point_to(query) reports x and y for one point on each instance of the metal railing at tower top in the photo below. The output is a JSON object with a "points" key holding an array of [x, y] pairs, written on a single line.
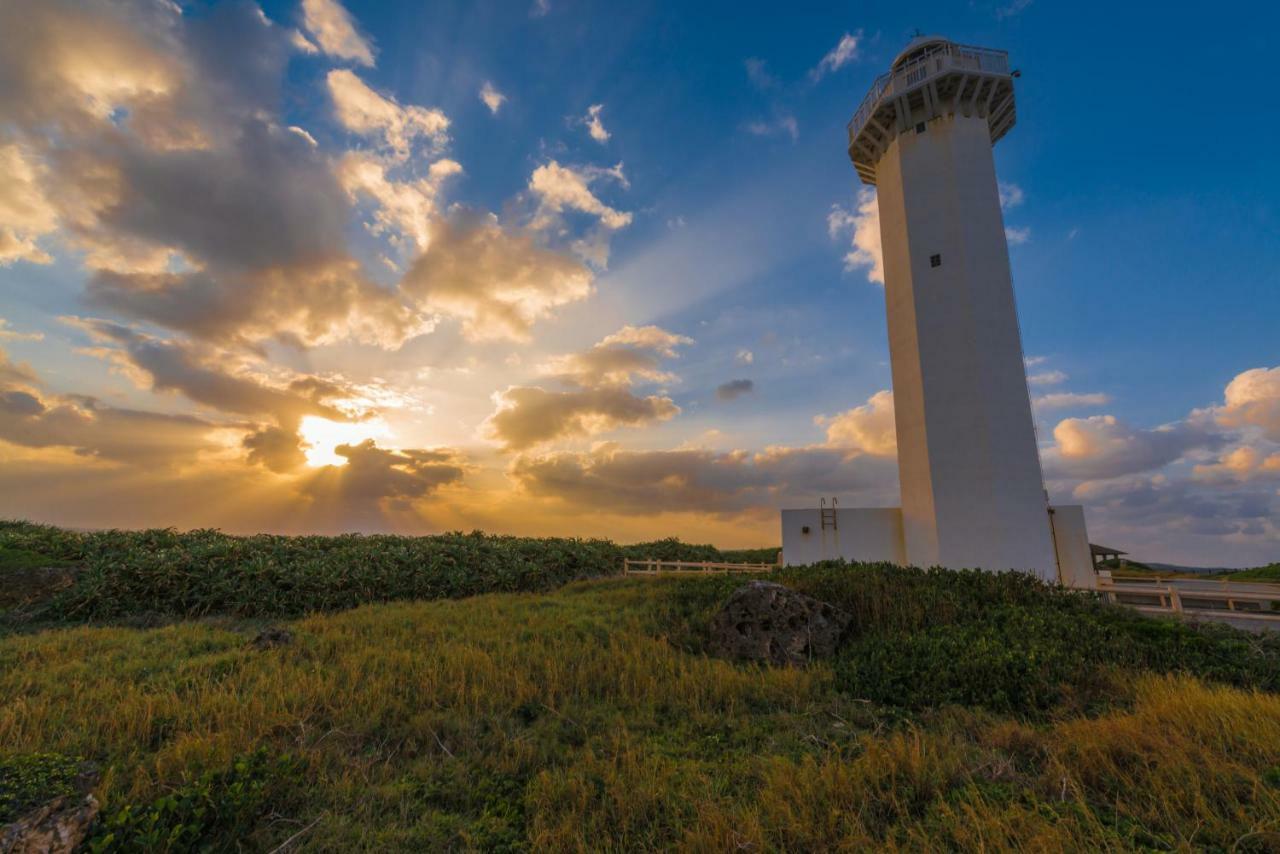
{"points": [[935, 59]]}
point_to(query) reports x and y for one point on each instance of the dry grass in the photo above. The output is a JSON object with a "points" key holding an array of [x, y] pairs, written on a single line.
{"points": [[566, 721]]}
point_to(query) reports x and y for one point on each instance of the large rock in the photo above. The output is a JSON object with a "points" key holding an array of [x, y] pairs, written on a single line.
{"points": [[58, 827], [764, 621]]}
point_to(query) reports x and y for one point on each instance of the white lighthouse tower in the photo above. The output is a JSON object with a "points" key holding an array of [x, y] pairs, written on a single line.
{"points": [[969, 467]]}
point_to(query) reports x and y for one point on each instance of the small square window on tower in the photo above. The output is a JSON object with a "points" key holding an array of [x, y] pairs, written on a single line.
{"points": [[935, 260], [920, 128]]}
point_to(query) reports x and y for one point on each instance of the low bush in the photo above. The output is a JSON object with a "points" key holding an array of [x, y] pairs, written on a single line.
{"points": [[217, 811], [30, 780], [1006, 642], [127, 574]]}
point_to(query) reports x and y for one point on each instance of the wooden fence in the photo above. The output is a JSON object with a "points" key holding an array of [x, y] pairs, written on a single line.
{"points": [[685, 567]]}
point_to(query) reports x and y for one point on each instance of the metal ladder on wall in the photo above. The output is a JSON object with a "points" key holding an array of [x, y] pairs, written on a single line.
{"points": [[827, 515]]}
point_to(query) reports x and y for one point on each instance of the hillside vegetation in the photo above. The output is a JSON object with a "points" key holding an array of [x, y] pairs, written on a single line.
{"points": [[964, 711]]}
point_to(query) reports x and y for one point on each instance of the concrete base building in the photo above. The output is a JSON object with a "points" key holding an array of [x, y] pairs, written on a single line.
{"points": [[969, 467]]}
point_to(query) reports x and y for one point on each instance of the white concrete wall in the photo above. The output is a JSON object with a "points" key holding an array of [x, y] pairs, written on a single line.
{"points": [[866, 534], [1071, 541], [972, 491]]}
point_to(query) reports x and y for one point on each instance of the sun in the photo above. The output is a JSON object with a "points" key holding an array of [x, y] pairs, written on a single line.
{"points": [[321, 436]]}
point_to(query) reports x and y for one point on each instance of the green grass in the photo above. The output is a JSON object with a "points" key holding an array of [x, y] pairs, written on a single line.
{"points": [[965, 711], [1271, 572]]}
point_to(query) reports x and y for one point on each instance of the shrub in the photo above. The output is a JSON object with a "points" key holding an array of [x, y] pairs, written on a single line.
{"points": [[30, 780], [214, 812]]}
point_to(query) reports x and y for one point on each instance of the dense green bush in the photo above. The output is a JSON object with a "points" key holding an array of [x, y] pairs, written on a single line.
{"points": [[130, 573], [214, 812], [1007, 642]]}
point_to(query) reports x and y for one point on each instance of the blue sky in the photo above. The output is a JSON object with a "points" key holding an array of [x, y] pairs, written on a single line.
{"points": [[282, 257]]}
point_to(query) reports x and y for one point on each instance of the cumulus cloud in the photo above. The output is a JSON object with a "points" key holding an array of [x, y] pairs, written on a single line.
{"points": [[594, 125], [869, 428], [374, 474], [559, 188], [33, 418], [403, 209], [164, 165], [621, 358], [863, 226], [276, 448], [1102, 446], [335, 32], [1067, 399], [734, 389], [1045, 377], [493, 99], [531, 415], [611, 479], [1252, 400], [194, 372], [745, 356], [498, 282], [1240, 464], [363, 111], [598, 397], [845, 51], [25, 214]]}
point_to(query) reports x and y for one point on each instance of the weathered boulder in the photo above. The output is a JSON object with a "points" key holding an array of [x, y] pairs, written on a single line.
{"points": [[272, 637], [763, 621], [58, 827]]}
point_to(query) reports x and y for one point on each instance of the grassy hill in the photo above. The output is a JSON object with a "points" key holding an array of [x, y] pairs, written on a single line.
{"points": [[965, 710]]}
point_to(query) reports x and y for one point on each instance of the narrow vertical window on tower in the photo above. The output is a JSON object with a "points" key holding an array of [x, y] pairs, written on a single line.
{"points": [[935, 260]]}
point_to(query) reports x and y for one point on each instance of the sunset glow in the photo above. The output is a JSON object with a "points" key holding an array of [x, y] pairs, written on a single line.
{"points": [[322, 436]]}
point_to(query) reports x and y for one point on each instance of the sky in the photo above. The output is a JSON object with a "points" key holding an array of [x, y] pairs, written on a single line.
{"points": [[562, 267]]}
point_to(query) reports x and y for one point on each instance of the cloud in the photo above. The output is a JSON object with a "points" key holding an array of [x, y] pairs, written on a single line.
{"points": [[845, 51], [33, 418], [595, 127], [611, 479], [744, 356], [531, 415], [498, 282], [1101, 446], [1240, 464], [869, 429], [558, 188], [1252, 400], [734, 389], [167, 365], [276, 448], [493, 99], [620, 359], [539, 8], [1045, 377], [334, 30], [1017, 236], [374, 474], [784, 123], [863, 224], [1066, 399], [25, 213], [7, 334], [363, 111], [598, 397], [403, 209], [1011, 195]]}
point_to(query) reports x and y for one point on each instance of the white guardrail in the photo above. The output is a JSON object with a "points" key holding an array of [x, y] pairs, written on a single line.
{"points": [[668, 567], [1253, 601]]}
